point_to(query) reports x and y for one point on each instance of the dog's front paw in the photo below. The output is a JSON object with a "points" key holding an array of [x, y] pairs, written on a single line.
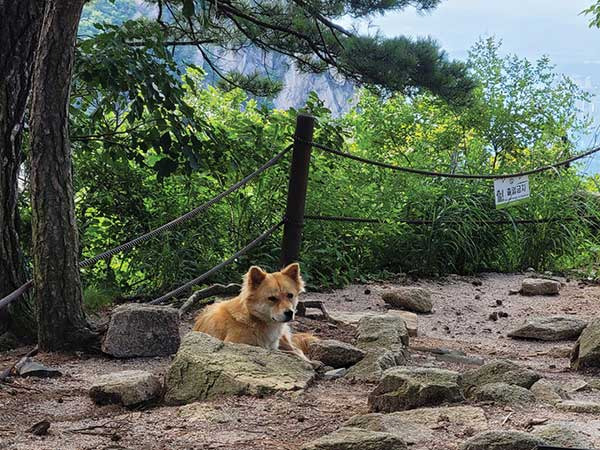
{"points": [[317, 365]]}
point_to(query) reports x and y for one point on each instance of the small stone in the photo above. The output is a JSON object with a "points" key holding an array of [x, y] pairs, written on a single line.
{"points": [[547, 392], [404, 388], [367, 291], [335, 353], [357, 439], [586, 353], [554, 328], [502, 440], [493, 316], [500, 371], [539, 286], [499, 302], [514, 292], [27, 367], [503, 393], [142, 330], [576, 406], [477, 283], [477, 297], [335, 373], [502, 314], [128, 388], [413, 299], [40, 428]]}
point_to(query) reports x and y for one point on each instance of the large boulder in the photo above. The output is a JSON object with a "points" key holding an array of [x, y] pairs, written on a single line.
{"points": [[205, 367], [357, 439], [142, 330], [539, 286], [403, 388], [502, 440], [503, 393], [419, 426], [335, 354], [548, 392], [413, 299], [586, 353], [128, 388], [556, 328], [562, 434], [500, 371]]}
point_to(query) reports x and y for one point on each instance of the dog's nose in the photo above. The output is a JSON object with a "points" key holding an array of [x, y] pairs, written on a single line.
{"points": [[289, 315]]}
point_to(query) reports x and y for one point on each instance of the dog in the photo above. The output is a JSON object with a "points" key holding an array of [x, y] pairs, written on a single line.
{"points": [[260, 315]]}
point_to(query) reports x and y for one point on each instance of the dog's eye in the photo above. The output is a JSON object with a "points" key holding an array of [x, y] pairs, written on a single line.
{"points": [[290, 295], [273, 299]]}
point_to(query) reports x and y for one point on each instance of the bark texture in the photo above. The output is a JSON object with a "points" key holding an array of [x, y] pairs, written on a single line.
{"points": [[62, 324], [20, 23]]}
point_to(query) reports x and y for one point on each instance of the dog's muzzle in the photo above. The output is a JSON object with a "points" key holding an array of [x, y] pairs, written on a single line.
{"points": [[288, 315]]}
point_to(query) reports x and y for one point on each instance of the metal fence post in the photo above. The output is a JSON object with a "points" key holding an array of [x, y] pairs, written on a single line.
{"points": [[296, 200]]}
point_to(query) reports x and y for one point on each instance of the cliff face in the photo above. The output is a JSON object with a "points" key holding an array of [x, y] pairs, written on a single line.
{"points": [[337, 93]]}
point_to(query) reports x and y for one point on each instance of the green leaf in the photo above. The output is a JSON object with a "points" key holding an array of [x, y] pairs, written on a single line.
{"points": [[189, 8]]}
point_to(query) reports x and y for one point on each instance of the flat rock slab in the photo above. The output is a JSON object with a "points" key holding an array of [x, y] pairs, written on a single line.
{"points": [[539, 286], [576, 406], [502, 440], [413, 299], [205, 367], [500, 371], [556, 328], [586, 353], [128, 388], [403, 388], [548, 392], [352, 318], [27, 367], [371, 367], [142, 330], [502, 393], [357, 439], [335, 354], [418, 426], [563, 434]]}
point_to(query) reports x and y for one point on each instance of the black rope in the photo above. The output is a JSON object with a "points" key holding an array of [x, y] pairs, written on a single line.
{"points": [[431, 222], [187, 216], [449, 175], [195, 281]]}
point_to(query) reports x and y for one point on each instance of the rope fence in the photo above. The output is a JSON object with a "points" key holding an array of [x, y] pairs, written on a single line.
{"points": [[295, 216], [467, 176]]}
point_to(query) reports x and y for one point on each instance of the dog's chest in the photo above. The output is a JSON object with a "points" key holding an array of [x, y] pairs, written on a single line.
{"points": [[270, 337]]}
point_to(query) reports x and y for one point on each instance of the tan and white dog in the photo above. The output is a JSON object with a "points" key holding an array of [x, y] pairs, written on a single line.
{"points": [[259, 316]]}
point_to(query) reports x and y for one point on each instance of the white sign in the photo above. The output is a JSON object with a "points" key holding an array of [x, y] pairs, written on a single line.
{"points": [[511, 190]]}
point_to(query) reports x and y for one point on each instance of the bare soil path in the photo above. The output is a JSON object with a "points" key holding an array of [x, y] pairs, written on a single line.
{"points": [[462, 306]]}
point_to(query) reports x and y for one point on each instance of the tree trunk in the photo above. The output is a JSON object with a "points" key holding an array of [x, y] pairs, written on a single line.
{"points": [[62, 324], [20, 23]]}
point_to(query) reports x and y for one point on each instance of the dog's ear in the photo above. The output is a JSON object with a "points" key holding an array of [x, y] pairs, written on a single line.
{"points": [[292, 271], [255, 276]]}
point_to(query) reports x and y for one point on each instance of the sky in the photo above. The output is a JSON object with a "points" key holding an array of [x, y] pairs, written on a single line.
{"points": [[529, 28]]}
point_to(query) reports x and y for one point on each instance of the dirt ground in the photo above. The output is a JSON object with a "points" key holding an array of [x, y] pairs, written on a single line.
{"points": [[462, 306]]}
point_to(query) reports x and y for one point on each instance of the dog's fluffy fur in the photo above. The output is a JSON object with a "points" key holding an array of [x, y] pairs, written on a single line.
{"points": [[259, 315]]}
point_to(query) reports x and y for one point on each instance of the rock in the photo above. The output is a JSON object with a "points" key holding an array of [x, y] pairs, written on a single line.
{"points": [[586, 353], [352, 318], [27, 367], [357, 439], [500, 371], [335, 373], [40, 428], [205, 367], [458, 357], [335, 353], [502, 440], [562, 434], [413, 299], [418, 426], [547, 392], [539, 286], [575, 385], [556, 328], [381, 331], [371, 367], [509, 394], [579, 406], [142, 330], [128, 388], [404, 388]]}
